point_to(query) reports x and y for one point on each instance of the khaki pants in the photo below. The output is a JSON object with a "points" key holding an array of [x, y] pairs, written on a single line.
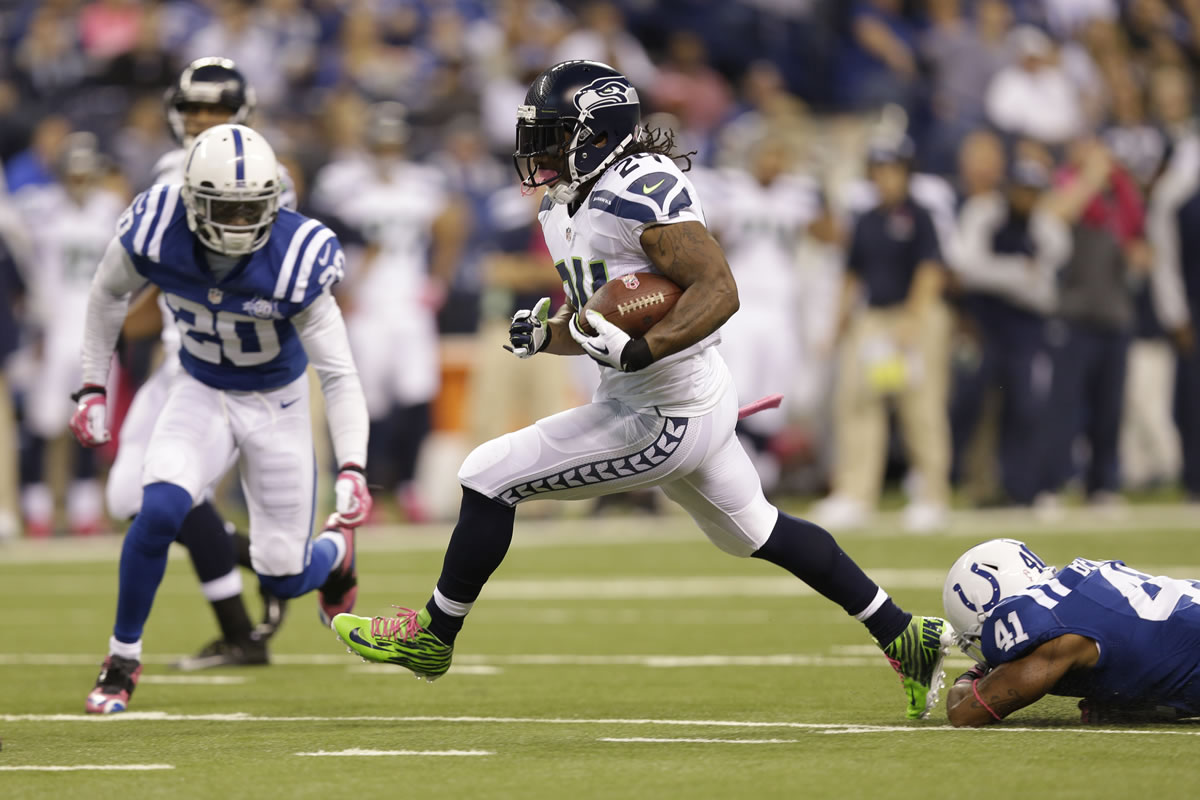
{"points": [[873, 369]]}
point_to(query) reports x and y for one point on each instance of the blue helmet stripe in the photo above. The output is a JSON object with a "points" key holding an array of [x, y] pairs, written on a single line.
{"points": [[239, 155]]}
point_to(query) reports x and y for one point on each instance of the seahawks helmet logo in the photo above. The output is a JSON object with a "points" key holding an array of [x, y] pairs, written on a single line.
{"points": [[603, 93]]}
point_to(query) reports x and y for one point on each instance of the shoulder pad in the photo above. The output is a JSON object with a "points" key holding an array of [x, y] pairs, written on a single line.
{"points": [[643, 189], [142, 225], [310, 245]]}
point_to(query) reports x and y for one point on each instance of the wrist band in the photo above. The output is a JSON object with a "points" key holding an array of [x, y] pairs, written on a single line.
{"points": [[86, 390], [975, 689], [636, 355], [353, 468]]}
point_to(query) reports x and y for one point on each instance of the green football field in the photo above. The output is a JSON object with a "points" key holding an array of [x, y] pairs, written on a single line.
{"points": [[611, 658]]}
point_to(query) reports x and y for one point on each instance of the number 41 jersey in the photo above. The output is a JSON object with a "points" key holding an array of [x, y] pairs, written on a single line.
{"points": [[237, 331], [1148, 630]]}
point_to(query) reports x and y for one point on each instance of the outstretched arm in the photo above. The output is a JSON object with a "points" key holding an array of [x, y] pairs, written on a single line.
{"points": [[1012, 686]]}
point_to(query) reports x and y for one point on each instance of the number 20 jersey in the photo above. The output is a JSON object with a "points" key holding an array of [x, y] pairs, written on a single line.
{"points": [[602, 242], [1148, 630], [237, 334]]}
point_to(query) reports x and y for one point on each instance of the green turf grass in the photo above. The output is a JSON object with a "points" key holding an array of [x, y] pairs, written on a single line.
{"points": [[554, 659]]}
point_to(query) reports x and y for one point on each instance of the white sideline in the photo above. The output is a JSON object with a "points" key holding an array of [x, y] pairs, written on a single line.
{"points": [[646, 739], [199, 680], [477, 664], [816, 727], [359, 752], [79, 767]]}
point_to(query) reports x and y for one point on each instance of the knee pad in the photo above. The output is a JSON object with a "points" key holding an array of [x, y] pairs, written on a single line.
{"points": [[164, 506]]}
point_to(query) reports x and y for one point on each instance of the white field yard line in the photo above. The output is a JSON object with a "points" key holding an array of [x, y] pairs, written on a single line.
{"points": [[197, 680], [612, 588], [473, 664], [649, 740], [671, 527], [84, 767], [815, 727], [354, 751]]}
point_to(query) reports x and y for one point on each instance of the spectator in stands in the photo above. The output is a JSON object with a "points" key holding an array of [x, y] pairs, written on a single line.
{"points": [[689, 88], [878, 64], [1034, 97], [1172, 101], [894, 340], [235, 33], [963, 55], [601, 36]]}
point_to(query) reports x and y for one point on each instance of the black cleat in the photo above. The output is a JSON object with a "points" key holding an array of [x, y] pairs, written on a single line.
{"points": [[274, 610], [224, 653], [114, 686]]}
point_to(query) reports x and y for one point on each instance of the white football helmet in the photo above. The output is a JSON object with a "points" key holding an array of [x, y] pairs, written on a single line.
{"points": [[980, 579], [231, 189]]}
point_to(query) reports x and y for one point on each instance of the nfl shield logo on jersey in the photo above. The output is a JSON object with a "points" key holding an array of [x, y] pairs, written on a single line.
{"points": [[215, 296], [631, 282]]}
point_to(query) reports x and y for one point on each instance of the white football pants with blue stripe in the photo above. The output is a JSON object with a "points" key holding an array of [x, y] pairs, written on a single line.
{"points": [[201, 430], [606, 447]]}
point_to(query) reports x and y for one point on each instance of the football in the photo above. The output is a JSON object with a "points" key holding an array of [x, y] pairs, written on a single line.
{"points": [[634, 303]]}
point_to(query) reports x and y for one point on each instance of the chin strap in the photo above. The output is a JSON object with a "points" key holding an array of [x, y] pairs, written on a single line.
{"points": [[567, 193]]}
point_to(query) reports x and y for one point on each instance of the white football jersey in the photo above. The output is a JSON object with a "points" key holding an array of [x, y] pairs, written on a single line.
{"points": [[69, 239], [394, 213], [760, 228], [602, 241]]}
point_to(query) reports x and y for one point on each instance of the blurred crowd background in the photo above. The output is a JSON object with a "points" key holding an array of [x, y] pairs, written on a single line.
{"points": [[962, 229]]}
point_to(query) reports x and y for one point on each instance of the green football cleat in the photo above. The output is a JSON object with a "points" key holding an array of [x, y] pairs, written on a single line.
{"points": [[917, 655], [402, 639]]}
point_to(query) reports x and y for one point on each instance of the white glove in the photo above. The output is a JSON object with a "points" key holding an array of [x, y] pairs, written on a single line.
{"points": [[352, 498], [529, 331], [608, 343], [89, 423]]}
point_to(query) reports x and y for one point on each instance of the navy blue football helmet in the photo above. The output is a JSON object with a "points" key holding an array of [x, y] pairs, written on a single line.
{"points": [[578, 117], [212, 82]]}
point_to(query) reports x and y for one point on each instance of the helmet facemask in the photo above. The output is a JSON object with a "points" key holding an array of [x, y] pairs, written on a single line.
{"points": [[232, 223]]}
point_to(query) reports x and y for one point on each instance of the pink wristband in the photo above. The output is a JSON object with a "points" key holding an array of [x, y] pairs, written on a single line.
{"points": [[975, 689]]}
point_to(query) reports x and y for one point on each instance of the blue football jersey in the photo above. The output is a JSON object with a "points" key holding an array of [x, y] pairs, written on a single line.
{"points": [[1148, 629], [236, 332]]}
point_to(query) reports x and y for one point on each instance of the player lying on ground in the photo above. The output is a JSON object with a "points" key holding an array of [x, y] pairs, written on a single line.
{"points": [[664, 414], [249, 285], [1125, 642], [208, 92]]}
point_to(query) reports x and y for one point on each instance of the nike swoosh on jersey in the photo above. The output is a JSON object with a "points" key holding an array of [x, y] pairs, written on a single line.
{"points": [[648, 189], [354, 637], [289, 403]]}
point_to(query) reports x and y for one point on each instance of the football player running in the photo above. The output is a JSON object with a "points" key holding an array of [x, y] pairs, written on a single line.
{"points": [[210, 91], [1126, 642], [664, 413], [249, 285]]}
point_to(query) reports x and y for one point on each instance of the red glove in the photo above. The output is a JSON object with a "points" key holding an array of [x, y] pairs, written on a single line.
{"points": [[89, 423], [353, 499]]}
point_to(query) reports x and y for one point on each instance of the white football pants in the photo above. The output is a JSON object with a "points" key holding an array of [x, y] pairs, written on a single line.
{"points": [[607, 447], [201, 430]]}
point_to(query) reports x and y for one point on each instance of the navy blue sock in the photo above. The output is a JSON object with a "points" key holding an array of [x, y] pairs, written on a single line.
{"points": [[214, 556], [810, 553], [478, 545], [324, 554], [144, 555], [211, 548]]}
